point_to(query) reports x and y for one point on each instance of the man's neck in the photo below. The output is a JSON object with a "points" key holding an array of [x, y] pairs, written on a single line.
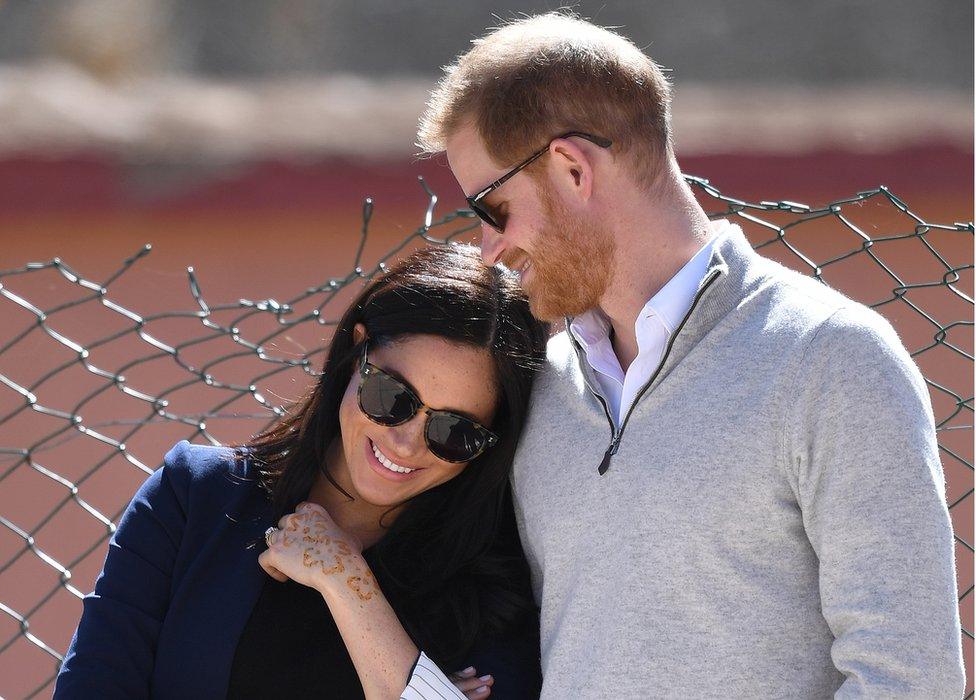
{"points": [[656, 238]]}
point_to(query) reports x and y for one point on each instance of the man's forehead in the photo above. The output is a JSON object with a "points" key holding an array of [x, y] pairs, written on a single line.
{"points": [[469, 161]]}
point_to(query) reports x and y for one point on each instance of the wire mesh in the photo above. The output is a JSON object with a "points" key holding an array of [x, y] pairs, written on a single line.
{"points": [[92, 393]]}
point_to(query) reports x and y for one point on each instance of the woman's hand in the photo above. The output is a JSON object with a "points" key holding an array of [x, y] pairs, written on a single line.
{"points": [[474, 688], [311, 549]]}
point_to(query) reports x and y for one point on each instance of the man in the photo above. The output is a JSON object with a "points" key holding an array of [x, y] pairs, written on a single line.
{"points": [[729, 484]]}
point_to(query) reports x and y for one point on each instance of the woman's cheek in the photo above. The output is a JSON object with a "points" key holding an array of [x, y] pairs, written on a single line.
{"points": [[449, 472], [349, 411]]}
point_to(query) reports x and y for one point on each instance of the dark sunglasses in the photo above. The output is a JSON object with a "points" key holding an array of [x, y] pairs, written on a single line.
{"points": [[493, 219], [388, 401]]}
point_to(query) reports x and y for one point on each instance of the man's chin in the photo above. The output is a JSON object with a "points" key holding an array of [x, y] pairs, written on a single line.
{"points": [[551, 310], [544, 313]]}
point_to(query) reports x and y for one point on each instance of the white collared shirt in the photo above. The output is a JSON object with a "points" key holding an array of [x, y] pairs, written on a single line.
{"points": [[428, 682], [654, 325]]}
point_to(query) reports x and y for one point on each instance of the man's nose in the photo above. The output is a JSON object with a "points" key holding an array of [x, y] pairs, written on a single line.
{"points": [[492, 245]]}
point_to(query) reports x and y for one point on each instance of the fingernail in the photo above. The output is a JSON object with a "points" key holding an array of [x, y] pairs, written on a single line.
{"points": [[482, 689], [468, 671], [485, 678]]}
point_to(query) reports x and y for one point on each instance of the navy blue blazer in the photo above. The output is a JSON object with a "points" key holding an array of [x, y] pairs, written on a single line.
{"points": [[179, 584]]}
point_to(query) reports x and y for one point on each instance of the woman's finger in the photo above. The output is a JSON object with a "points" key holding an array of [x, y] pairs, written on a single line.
{"points": [[479, 693], [468, 672], [471, 685], [264, 561], [277, 575]]}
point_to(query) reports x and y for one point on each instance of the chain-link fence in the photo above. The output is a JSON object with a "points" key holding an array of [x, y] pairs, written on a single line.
{"points": [[92, 393]]}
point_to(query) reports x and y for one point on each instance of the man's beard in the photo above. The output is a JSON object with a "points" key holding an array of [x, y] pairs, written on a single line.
{"points": [[571, 264]]}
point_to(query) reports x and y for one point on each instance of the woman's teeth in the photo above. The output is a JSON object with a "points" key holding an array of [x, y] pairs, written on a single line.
{"points": [[392, 466]]}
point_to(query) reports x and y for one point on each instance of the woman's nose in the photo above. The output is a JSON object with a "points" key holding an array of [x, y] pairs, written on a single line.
{"points": [[408, 438]]}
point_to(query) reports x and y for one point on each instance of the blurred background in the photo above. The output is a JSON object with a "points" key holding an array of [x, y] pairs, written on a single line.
{"points": [[139, 119], [241, 137]]}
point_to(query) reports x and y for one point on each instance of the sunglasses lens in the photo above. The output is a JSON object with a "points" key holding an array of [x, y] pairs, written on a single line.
{"points": [[453, 438], [486, 216], [385, 400]]}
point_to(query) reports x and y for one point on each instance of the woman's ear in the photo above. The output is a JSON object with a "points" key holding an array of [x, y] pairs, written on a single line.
{"points": [[358, 333]]}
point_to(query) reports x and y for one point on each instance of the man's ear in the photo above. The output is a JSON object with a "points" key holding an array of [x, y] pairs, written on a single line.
{"points": [[572, 169], [358, 333]]}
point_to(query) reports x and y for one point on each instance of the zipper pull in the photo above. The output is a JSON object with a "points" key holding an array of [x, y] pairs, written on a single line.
{"points": [[611, 451]]}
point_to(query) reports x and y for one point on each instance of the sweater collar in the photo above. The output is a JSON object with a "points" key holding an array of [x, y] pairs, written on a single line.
{"points": [[728, 278], [733, 260]]}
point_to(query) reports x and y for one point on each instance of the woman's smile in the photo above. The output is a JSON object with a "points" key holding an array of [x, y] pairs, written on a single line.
{"points": [[386, 467]]}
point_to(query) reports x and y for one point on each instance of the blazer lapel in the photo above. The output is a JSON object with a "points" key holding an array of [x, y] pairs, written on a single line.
{"points": [[213, 600]]}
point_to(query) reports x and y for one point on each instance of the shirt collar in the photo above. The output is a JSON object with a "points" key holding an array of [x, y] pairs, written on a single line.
{"points": [[673, 300], [590, 327]]}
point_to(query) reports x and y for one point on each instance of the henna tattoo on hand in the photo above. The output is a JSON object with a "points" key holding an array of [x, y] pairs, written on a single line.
{"points": [[322, 548], [337, 569], [319, 539], [364, 586], [309, 561]]}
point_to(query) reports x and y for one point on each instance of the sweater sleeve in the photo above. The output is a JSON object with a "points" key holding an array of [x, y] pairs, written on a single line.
{"points": [[862, 449], [112, 652]]}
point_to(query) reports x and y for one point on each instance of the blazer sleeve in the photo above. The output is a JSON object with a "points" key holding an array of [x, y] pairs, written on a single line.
{"points": [[112, 652]]}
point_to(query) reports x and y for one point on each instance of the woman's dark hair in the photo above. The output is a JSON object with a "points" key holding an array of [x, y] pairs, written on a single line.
{"points": [[450, 563]]}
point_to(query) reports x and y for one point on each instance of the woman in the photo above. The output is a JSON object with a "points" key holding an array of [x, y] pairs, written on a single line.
{"points": [[384, 503]]}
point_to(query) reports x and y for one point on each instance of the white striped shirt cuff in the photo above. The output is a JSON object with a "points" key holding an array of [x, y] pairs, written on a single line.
{"points": [[427, 682]]}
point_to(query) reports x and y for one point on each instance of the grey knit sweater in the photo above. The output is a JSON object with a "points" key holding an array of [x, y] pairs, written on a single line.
{"points": [[771, 522]]}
